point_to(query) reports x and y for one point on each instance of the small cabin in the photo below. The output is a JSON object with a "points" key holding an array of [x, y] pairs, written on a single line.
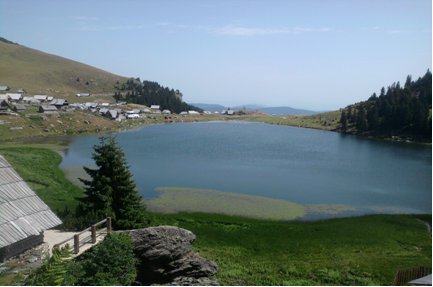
{"points": [[23, 215], [48, 109]]}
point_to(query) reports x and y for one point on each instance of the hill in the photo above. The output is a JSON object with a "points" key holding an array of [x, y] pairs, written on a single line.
{"points": [[151, 93], [210, 107], [41, 73], [398, 112], [265, 110], [285, 111]]}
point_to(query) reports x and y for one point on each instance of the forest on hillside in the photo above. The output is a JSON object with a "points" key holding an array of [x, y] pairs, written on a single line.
{"points": [[399, 111], [151, 93]]}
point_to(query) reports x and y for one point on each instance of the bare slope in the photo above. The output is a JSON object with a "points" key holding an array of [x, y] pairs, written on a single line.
{"points": [[39, 72]]}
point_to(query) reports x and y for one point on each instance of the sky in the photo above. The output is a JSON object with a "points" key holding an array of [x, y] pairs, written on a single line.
{"points": [[310, 54]]}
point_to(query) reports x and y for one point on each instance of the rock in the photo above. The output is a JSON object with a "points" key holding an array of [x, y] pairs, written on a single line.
{"points": [[86, 122], [165, 257], [190, 281]]}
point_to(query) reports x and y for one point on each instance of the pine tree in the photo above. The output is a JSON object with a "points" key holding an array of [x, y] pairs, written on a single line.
{"points": [[111, 191], [343, 121]]}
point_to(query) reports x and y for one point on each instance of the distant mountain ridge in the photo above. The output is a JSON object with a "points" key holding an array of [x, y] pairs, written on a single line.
{"points": [[266, 110]]}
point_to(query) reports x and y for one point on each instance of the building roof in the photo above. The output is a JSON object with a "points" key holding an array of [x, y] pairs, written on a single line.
{"points": [[4, 88], [113, 113], [22, 212], [59, 102], [40, 97], [48, 108], [14, 96], [19, 107], [426, 281]]}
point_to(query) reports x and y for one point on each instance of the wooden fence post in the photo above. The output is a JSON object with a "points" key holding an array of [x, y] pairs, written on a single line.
{"points": [[109, 225], [93, 230], [77, 243]]}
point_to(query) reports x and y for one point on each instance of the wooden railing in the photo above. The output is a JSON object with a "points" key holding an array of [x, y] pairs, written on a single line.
{"points": [[94, 233], [402, 277]]}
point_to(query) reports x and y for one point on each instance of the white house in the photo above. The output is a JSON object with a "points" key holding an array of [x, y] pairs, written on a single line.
{"points": [[166, 112], [14, 97], [193, 113], [83, 95], [132, 116], [41, 98], [154, 107]]}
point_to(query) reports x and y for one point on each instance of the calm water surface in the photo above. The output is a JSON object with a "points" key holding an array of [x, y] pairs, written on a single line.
{"points": [[301, 165]]}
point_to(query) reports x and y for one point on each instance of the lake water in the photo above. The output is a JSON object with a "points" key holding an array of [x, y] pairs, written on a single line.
{"points": [[304, 166]]}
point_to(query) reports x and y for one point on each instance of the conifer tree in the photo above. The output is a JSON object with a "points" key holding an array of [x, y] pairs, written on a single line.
{"points": [[111, 190]]}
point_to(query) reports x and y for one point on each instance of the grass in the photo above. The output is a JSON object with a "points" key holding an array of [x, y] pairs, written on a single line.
{"points": [[174, 200], [39, 167], [364, 250], [41, 73]]}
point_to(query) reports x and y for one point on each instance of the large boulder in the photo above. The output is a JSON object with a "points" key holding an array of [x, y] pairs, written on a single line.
{"points": [[165, 257]]}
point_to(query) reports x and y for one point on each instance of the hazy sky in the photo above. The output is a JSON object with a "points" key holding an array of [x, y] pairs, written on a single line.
{"points": [[318, 55]]}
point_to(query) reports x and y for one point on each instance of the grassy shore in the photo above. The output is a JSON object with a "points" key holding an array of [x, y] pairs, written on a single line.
{"points": [[39, 167], [364, 250]]}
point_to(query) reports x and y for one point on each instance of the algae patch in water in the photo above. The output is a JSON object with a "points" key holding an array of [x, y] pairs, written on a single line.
{"points": [[173, 200]]}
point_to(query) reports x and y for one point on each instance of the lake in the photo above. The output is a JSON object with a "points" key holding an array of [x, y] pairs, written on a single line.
{"points": [[309, 167]]}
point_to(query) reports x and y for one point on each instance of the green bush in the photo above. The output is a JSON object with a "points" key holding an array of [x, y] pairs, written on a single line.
{"points": [[53, 271], [111, 262]]}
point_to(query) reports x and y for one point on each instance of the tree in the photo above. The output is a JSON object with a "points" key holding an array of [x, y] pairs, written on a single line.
{"points": [[111, 190], [343, 121]]}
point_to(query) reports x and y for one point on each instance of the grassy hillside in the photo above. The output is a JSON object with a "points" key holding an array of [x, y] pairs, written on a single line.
{"points": [[38, 72], [361, 251]]}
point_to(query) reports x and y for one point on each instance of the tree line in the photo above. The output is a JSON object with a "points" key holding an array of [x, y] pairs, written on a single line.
{"points": [[151, 93], [399, 111]]}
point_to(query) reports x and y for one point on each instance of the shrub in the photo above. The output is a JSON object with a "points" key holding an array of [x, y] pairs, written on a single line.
{"points": [[111, 262]]}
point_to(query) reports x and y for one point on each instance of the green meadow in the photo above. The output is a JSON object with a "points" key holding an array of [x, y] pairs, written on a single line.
{"points": [[365, 250]]}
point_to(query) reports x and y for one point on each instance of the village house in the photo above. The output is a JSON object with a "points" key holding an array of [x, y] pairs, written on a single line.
{"points": [[47, 109], [103, 111], [18, 107], [41, 98], [155, 108], [4, 107], [112, 114], [83, 95], [4, 88], [21, 91], [31, 101], [4, 97], [166, 112], [23, 215], [14, 97], [59, 103]]}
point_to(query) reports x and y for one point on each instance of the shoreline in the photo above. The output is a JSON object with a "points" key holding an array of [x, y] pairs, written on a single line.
{"points": [[131, 126]]}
